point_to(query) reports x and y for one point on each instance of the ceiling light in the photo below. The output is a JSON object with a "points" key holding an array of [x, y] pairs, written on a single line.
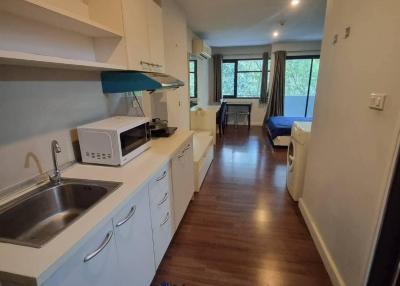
{"points": [[275, 34], [295, 2]]}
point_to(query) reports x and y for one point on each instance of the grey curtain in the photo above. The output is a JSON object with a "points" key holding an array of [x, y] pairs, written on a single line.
{"points": [[264, 79], [276, 96], [217, 61]]}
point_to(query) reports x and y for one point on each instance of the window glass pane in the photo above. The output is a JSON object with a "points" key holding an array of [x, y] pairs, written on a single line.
{"points": [[249, 84], [228, 79], [296, 86], [192, 85], [313, 88], [191, 66], [250, 65]]}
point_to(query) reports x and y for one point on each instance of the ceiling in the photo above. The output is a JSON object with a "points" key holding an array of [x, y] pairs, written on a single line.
{"points": [[225, 23]]}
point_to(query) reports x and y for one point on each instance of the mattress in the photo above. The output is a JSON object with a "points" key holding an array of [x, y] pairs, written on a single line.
{"points": [[282, 125]]}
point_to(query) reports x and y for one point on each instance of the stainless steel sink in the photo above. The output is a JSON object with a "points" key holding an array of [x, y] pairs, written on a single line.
{"points": [[36, 217]]}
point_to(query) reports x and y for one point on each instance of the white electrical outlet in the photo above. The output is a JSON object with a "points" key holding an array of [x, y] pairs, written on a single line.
{"points": [[377, 101]]}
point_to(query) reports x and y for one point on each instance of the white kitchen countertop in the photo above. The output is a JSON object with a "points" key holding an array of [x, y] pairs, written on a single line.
{"points": [[37, 264]]}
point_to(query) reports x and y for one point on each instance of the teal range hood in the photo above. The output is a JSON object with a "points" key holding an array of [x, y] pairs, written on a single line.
{"points": [[128, 81]]}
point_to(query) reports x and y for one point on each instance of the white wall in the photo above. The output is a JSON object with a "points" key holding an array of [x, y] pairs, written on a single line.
{"points": [[294, 49], [298, 48], [176, 63], [203, 67], [352, 146], [38, 105]]}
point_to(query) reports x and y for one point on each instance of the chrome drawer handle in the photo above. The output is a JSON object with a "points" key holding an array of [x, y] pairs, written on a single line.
{"points": [[163, 200], [101, 247], [162, 176], [165, 220], [186, 148], [128, 217]]}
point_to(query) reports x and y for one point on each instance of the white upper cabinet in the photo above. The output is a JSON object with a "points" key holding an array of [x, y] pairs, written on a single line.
{"points": [[156, 34], [144, 35], [136, 33]]}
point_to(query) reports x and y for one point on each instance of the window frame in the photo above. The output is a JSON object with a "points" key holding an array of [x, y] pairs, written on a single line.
{"points": [[195, 78], [235, 76], [308, 57]]}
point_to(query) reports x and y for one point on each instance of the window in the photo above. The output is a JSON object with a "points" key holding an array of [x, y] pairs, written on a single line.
{"points": [[242, 78], [301, 77], [193, 78]]}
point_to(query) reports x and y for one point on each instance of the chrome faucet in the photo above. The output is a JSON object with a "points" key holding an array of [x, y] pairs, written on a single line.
{"points": [[55, 149]]}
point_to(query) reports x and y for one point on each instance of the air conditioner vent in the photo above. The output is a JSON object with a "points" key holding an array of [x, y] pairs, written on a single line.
{"points": [[201, 49]]}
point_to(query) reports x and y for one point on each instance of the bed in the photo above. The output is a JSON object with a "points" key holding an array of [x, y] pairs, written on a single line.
{"points": [[280, 128]]}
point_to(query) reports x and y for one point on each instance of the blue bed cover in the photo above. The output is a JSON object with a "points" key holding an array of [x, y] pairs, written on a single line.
{"points": [[282, 125]]}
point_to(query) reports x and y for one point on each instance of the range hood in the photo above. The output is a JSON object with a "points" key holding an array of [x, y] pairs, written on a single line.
{"points": [[127, 81]]}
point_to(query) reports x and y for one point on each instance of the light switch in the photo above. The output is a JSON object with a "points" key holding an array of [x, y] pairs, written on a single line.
{"points": [[377, 101]]}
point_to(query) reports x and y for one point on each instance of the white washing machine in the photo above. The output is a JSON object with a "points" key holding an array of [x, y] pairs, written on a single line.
{"points": [[297, 157]]}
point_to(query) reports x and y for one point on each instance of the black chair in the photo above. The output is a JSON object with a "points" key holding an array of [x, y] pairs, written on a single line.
{"points": [[221, 118]]}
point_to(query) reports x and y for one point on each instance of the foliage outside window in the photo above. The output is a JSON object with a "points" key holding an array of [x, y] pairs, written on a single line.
{"points": [[193, 78], [242, 78], [301, 77]]}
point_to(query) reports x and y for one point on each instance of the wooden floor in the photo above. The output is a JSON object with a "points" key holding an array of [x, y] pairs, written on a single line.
{"points": [[243, 228]]}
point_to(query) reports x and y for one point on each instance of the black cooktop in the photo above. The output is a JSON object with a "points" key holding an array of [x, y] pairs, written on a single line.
{"points": [[164, 132]]}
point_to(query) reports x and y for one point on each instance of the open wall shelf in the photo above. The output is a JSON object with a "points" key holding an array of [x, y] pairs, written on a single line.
{"points": [[27, 59], [57, 17]]}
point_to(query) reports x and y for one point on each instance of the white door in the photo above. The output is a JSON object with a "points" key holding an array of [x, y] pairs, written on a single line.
{"points": [[95, 263], [134, 240], [182, 181]]}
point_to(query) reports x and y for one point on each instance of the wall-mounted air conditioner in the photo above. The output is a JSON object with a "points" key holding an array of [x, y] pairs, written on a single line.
{"points": [[201, 49]]}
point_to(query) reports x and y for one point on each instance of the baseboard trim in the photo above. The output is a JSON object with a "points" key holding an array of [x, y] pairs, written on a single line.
{"points": [[327, 259]]}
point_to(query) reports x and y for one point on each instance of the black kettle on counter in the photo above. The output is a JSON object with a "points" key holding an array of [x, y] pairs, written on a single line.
{"points": [[159, 128], [157, 125]]}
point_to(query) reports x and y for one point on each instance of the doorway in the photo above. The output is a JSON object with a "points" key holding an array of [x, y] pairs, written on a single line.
{"points": [[385, 268]]}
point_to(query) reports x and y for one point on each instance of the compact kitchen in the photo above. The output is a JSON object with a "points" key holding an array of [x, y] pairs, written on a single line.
{"points": [[96, 183], [140, 208]]}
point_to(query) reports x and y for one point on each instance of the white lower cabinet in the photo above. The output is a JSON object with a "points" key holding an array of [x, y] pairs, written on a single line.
{"points": [[161, 212], [95, 263], [162, 232], [134, 239], [182, 180], [127, 250]]}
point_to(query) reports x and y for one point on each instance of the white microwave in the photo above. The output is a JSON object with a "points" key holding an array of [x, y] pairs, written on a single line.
{"points": [[114, 141]]}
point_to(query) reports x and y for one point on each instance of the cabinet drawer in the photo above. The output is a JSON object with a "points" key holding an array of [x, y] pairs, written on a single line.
{"points": [[162, 235], [159, 193], [160, 184], [159, 211]]}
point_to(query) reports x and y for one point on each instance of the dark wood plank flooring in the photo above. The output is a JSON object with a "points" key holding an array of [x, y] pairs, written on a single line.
{"points": [[243, 228]]}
